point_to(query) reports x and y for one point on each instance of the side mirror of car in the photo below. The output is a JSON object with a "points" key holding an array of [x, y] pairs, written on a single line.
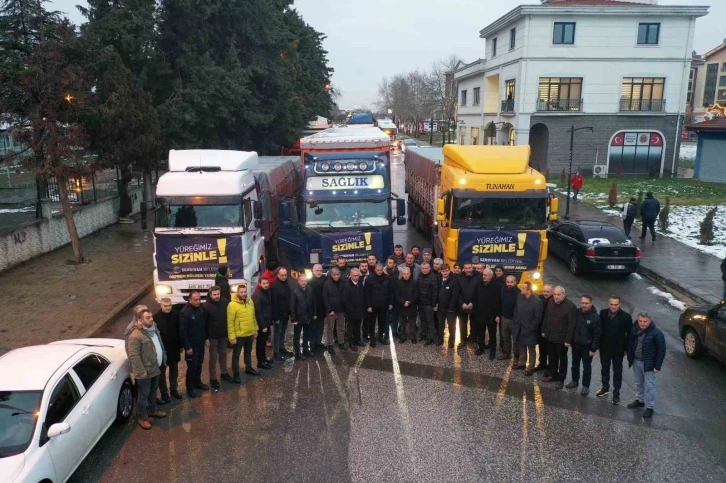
{"points": [[57, 429]]}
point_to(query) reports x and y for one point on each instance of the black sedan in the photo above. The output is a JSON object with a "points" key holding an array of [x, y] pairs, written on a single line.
{"points": [[593, 246], [703, 330]]}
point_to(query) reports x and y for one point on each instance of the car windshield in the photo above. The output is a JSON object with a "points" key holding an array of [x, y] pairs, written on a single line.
{"points": [[198, 216], [409, 141], [514, 213], [336, 214], [18, 415]]}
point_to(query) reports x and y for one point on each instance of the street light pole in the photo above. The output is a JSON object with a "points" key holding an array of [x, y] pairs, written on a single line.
{"points": [[431, 131], [569, 170]]}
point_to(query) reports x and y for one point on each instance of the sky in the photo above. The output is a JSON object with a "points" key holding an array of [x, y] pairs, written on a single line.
{"points": [[371, 39]]}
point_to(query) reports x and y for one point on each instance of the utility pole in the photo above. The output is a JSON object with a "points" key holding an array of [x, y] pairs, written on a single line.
{"points": [[431, 131], [569, 171]]}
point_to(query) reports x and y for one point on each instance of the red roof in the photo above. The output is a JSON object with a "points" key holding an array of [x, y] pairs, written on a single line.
{"points": [[717, 124], [594, 3]]}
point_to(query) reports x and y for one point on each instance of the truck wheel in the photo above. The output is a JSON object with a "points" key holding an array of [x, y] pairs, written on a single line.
{"points": [[692, 344]]}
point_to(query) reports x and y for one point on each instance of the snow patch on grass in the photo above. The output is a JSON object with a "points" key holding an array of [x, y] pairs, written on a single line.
{"points": [[685, 226], [672, 301], [688, 152]]}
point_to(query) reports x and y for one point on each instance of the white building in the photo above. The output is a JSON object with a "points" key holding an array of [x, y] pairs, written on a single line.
{"points": [[619, 67]]}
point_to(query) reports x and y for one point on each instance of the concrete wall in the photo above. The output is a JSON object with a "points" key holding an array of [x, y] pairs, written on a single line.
{"points": [[27, 241]]}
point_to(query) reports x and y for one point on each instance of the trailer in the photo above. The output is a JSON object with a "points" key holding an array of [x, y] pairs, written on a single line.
{"points": [[423, 176]]}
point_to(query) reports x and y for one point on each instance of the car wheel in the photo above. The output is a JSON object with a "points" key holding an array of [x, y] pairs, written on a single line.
{"points": [[692, 344], [575, 264], [125, 405]]}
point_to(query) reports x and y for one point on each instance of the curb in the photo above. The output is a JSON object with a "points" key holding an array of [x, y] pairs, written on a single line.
{"points": [[672, 284], [125, 304]]}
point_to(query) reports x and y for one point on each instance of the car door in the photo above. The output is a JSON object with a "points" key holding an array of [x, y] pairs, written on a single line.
{"points": [[716, 332], [101, 394], [567, 240], [66, 405], [554, 240]]}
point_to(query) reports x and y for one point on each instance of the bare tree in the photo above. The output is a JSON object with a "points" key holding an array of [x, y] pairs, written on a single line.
{"points": [[444, 87]]}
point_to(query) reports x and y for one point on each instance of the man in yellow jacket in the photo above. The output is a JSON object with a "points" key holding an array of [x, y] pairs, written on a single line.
{"points": [[241, 330]]}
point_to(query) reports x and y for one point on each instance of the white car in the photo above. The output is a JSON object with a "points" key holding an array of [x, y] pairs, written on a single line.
{"points": [[405, 143], [56, 401]]}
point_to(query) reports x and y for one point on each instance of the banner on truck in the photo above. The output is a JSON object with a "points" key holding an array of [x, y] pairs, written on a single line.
{"points": [[182, 258], [517, 251], [353, 246]]}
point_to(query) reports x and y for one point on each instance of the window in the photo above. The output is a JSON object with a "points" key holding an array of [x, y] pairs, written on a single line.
{"points": [[709, 90], [247, 208], [463, 97], [722, 81], [62, 401], [494, 47], [559, 94], [477, 96], [512, 38], [89, 369], [475, 136], [689, 96], [723, 67], [642, 94], [509, 89], [648, 33], [564, 33]]}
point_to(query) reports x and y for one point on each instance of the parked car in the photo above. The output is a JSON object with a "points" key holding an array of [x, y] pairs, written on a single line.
{"points": [[593, 246], [408, 142], [703, 330], [56, 401]]}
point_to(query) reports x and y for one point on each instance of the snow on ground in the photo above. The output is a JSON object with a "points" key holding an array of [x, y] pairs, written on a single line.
{"points": [[17, 210], [672, 301], [688, 152], [685, 225]]}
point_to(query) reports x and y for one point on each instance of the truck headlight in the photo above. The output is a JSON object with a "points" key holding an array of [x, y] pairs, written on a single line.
{"points": [[162, 290], [315, 257], [536, 275]]}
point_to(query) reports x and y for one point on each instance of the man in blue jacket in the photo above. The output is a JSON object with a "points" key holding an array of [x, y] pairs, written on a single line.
{"points": [[646, 351], [648, 213]]}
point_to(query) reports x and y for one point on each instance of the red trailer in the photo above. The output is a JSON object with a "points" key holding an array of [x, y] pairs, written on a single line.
{"points": [[423, 177]]}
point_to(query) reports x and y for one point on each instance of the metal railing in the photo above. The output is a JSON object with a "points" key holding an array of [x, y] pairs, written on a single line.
{"points": [[652, 105], [559, 105], [508, 105]]}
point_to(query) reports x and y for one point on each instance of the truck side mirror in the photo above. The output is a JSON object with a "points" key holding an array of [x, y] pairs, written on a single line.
{"points": [[400, 207], [440, 208], [257, 209], [554, 205]]}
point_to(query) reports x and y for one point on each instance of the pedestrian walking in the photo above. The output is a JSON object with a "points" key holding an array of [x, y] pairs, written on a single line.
{"points": [[576, 182], [629, 212], [167, 323], [412, 265], [427, 297], [216, 319], [262, 299], [465, 292], [318, 323], [446, 310], [405, 294], [585, 341], [510, 294], [241, 330], [378, 302], [280, 292], [488, 305], [193, 335], [616, 325], [545, 297], [648, 214], [145, 351], [525, 328], [398, 254], [354, 301], [221, 280], [646, 352], [334, 310], [557, 328]]}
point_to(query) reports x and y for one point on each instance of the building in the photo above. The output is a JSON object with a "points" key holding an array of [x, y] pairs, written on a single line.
{"points": [[710, 159], [707, 81], [619, 67]]}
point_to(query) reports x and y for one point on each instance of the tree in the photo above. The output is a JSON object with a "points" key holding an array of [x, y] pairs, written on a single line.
{"points": [[706, 231], [664, 214], [613, 194]]}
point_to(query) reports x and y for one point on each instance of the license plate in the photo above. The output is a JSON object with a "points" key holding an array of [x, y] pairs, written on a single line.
{"points": [[616, 267], [197, 286]]}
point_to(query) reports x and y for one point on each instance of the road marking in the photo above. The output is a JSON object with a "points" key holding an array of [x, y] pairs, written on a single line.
{"points": [[403, 408]]}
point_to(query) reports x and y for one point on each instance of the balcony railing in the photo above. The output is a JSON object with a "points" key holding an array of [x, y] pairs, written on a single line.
{"points": [[508, 105], [559, 105], [651, 105]]}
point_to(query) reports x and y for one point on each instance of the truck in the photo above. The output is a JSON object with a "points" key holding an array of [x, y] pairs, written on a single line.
{"points": [[388, 127], [345, 207], [482, 204]]}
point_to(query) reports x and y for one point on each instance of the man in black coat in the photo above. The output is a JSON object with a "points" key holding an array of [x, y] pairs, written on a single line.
{"points": [[262, 300], [510, 294], [221, 280], [630, 211], [391, 269], [302, 310], [428, 297], [616, 325], [318, 322], [446, 311], [525, 327], [464, 294], [557, 328], [378, 303], [354, 301], [193, 336], [585, 341], [488, 304], [215, 309], [648, 214], [546, 298], [334, 310], [280, 292], [405, 294], [167, 322]]}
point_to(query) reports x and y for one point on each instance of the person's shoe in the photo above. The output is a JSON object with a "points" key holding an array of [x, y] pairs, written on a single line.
{"points": [[515, 363], [402, 340], [429, 342], [202, 387], [165, 397], [160, 402], [266, 365], [286, 352], [157, 414], [480, 351], [540, 367], [616, 399], [331, 350], [648, 413], [144, 424], [572, 384], [492, 356], [342, 347], [214, 383], [585, 391], [307, 353], [653, 242], [353, 348], [270, 360], [547, 373], [413, 340], [385, 341], [236, 379], [279, 357], [559, 385], [548, 379], [191, 393], [636, 404], [252, 372], [518, 367], [451, 343], [320, 345], [528, 373], [226, 378], [462, 344], [642, 238], [439, 342], [176, 395], [300, 357], [373, 342], [602, 392], [502, 357]]}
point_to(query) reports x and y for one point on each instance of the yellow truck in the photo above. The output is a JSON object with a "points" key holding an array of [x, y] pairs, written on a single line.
{"points": [[482, 204]]}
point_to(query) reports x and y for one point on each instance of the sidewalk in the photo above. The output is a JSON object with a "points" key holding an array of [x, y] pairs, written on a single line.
{"points": [[692, 272], [48, 299]]}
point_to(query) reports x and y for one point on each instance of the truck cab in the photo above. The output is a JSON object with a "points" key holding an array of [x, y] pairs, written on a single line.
{"points": [[206, 216]]}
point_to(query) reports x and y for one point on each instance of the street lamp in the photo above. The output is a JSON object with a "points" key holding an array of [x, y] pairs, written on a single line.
{"points": [[572, 131]]}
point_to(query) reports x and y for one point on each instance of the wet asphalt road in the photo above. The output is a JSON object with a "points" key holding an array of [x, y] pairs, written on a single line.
{"points": [[411, 413]]}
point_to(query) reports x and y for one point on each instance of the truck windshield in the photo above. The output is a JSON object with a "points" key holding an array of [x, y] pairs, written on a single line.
{"points": [[336, 214], [18, 415], [198, 216], [513, 213]]}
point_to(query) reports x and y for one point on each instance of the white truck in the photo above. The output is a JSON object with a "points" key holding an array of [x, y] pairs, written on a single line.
{"points": [[207, 215]]}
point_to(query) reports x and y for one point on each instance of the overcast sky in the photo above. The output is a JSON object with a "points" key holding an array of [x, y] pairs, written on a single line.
{"points": [[370, 39]]}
